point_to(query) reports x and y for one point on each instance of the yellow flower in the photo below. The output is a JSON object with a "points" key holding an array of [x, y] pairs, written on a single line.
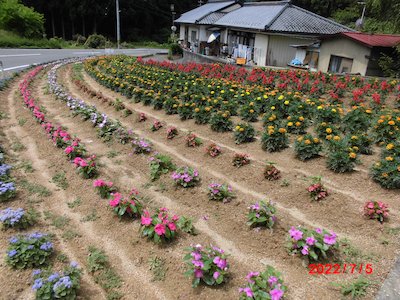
{"points": [[237, 127], [391, 123], [272, 107], [316, 140], [398, 168], [389, 158], [389, 146], [323, 124], [354, 137], [299, 139], [212, 92], [352, 155], [271, 131], [290, 124], [207, 109], [281, 97], [336, 138], [333, 110], [307, 142], [251, 103], [298, 124], [289, 118], [368, 111], [329, 137], [328, 130], [380, 121], [174, 106], [241, 129], [282, 130], [319, 107], [251, 111], [286, 102], [222, 91], [355, 148], [224, 115], [301, 119]]}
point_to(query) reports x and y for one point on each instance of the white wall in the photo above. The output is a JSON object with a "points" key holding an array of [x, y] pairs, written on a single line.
{"points": [[345, 48], [182, 32], [203, 34], [260, 49]]}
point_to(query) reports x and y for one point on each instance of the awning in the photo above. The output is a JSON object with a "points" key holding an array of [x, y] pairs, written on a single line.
{"points": [[213, 36]]}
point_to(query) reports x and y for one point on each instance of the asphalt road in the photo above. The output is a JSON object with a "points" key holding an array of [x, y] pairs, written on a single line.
{"points": [[17, 59]]}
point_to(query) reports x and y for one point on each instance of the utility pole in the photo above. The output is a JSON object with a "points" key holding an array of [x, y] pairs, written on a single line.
{"points": [[118, 24], [201, 2]]}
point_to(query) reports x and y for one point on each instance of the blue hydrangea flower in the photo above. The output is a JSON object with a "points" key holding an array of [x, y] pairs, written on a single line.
{"points": [[36, 272], [37, 284], [53, 277], [4, 169], [11, 216], [6, 186], [46, 246], [65, 281], [14, 240], [12, 253], [36, 235]]}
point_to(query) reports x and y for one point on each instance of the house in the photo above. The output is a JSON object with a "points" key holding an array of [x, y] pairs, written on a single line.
{"points": [[260, 32], [355, 52]]}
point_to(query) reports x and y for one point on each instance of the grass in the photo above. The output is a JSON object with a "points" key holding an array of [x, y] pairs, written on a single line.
{"points": [[69, 235], [55, 220], [77, 71], [112, 154], [60, 180], [97, 259], [394, 231], [351, 254], [90, 217], [62, 258], [35, 189], [17, 147], [157, 266], [77, 202], [356, 289], [26, 166], [21, 121], [3, 115]]}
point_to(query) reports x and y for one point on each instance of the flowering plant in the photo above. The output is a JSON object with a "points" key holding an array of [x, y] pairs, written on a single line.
{"points": [[265, 285], [61, 137], [192, 140], [376, 210], [104, 188], [312, 243], [244, 133], [140, 145], [27, 251], [17, 218], [156, 125], [131, 207], [221, 122], [307, 147], [49, 285], [387, 172], [262, 214], [213, 150], [4, 170], [75, 150], [220, 192], [206, 264], [317, 190], [186, 177], [160, 164], [7, 190], [159, 227], [142, 117], [271, 172], [341, 158], [240, 160], [274, 139], [172, 132], [86, 167]]}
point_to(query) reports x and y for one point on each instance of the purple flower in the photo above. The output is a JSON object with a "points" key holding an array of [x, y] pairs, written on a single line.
{"points": [[14, 240], [198, 273], [36, 272], [198, 263], [248, 291], [53, 277], [251, 275], [37, 284], [295, 234], [65, 281], [310, 240], [12, 253], [304, 251], [272, 280], [221, 263], [276, 294], [46, 246], [73, 264], [318, 230], [196, 255], [330, 239], [216, 275]]}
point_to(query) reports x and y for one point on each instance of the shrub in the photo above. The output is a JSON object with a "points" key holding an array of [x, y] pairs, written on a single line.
{"points": [[186, 177], [248, 112], [79, 39], [175, 49], [185, 110], [192, 140], [17, 218], [7, 191], [156, 125], [357, 120], [95, 41], [244, 133], [49, 285], [213, 150], [307, 147], [160, 164], [27, 251], [266, 285], [386, 130], [315, 244], [376, 210], [361, 143], [75, 150], [221, 122], [142, 117], [271, 172], [172, 132], [262, 214], [387, 172], [206, 264], [341, 158], [274, 139], [141, 145], [202, 114], [104, 188], [240, 160], [220, 192], [131, 207], [159, 227]]}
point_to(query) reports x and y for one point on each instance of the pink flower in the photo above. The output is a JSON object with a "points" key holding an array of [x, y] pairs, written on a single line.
{"points": [[98, 183], [272, 281], [216, 275], [146, 219], [221, 263], [295, 234], [248, 291], [198, 273], [69, 149], [310, 240], [117, 198], [159, 229], [330, 239], [318, 230], [304, 251], [172, 226], [276, 294]]}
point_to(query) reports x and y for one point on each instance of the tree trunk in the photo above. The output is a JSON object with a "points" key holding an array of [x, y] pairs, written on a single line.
{"points": [[72, 27], [83, 27], [53, 27], [95, 26], [63, 28]]}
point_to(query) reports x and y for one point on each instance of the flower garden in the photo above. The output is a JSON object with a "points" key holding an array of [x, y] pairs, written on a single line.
{"points": [[198, 181]]}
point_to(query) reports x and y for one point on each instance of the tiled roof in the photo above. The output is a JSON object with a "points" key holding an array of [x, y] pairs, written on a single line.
{"points": [[195, 15], [211, 18], [279, 16], [374, 40]]}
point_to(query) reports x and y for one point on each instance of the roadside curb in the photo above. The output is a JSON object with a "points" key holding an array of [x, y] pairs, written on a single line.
{"points": [[390, 289]]}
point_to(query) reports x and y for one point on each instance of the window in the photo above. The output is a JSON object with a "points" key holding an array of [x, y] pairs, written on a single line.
{"points": [[193, 36], [339, 64]]}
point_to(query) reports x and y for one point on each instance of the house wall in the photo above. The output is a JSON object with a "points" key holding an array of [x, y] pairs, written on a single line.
{"points": [[182, 32], [345, 48], [279, 52], [260, 49]]}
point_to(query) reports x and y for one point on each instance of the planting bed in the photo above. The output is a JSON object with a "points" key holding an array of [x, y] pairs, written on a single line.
{"points": [[117, 106]]}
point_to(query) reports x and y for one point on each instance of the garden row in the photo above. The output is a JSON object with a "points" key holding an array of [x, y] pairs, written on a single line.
{"points": [[322, 125]]}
